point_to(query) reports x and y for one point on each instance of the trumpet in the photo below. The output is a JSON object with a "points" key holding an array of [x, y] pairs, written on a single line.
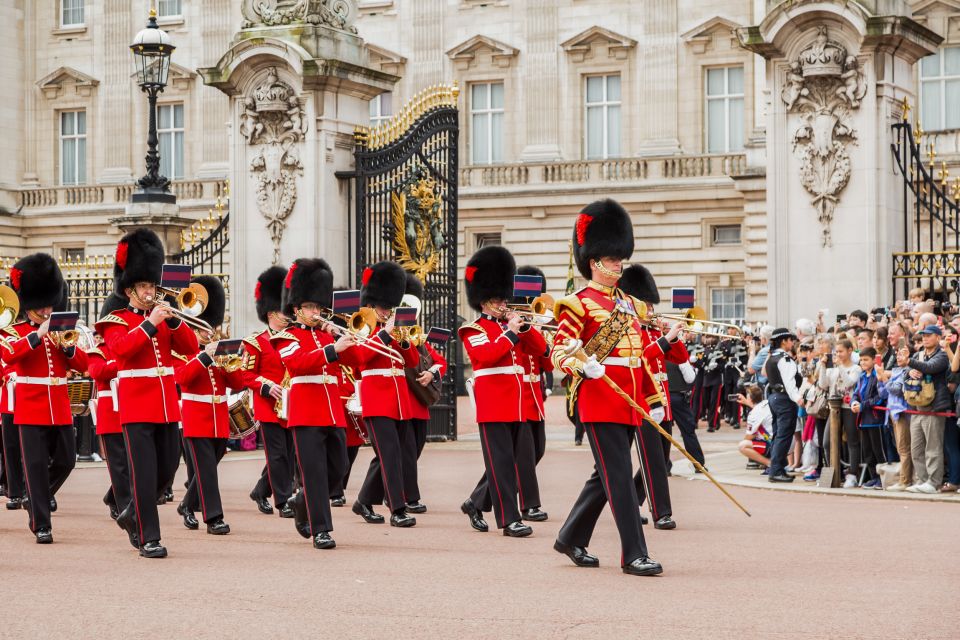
{"points": [[281, 407], [695, 321], [408, 334], [360, 325], [9, 306], [190, 303], [230, 362], [541, 306]]}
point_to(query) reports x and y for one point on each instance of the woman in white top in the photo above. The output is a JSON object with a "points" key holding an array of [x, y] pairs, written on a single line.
{"points": [[840, 380]]}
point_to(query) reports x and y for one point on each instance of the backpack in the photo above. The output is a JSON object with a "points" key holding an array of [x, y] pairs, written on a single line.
{"points": [[919, 392]]}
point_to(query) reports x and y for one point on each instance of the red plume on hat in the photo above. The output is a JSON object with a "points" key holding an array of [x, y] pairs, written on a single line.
{"points": [[469, 272], [289, 279], [583, 222], [121, 257], [256, 291], [15, 278], [367, 274]]}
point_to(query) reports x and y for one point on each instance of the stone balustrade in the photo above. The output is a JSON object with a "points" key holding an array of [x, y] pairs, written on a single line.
{"points": [[114, 194]]}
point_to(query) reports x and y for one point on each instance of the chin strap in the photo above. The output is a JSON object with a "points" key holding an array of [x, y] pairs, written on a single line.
{"points": [[602, 269]]}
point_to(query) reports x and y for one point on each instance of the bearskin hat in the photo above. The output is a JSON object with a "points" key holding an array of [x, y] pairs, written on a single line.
{"points": [[530, 270], [38, 282], [603, 229], [637, 281], [112, 304], [383, 285], [269, 291], [216, 307], [489, 274], [414, 286], [64, 302], [307, 280], [139, 258]]}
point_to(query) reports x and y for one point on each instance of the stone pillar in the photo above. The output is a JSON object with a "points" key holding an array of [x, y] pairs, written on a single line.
{"points": [[837, 73], [542, 78], [657, 48], [428, 44], [117, 93], [214, 108]]}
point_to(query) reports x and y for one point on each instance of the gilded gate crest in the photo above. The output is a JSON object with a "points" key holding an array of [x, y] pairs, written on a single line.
{"points": [[418, 223]]}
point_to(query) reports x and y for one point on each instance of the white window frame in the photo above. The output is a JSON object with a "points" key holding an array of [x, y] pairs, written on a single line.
{"points": [[726, 97], [941, 79], [76, 137], [605, 104], [715, 228], [486, 112], [732, 291], [161, 4], [174, 172], [377, 113], [76, 7]]}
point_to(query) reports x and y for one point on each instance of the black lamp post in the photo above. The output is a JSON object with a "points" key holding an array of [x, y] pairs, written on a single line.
{"points": [[151, 50]]}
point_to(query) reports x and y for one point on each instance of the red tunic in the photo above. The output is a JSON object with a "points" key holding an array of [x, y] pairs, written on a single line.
{"points": [[147, 389], [383, 385], [496, 355], [579, 317], [6, 398], [532, 390], [419, 410], [263, 367], [314, 366], [103, 370], [41, 367], [203, 397], [676, 353]]}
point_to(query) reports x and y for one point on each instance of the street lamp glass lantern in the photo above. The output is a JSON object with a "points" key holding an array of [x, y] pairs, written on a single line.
{"points": [[151, 49]]}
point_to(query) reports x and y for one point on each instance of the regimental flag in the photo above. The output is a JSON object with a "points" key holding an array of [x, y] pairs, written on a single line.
{"points": [[228, 347], [527, 286], [405, 317], [439, 336], [175, 276], [346, 301], [570, 277], [64, 320], [683, 298]]}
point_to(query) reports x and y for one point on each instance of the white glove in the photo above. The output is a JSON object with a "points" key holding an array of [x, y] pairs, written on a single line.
{"points": [[688, 372], [658, 414], [593, 369]]}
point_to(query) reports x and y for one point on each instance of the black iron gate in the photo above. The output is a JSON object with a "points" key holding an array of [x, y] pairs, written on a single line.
{"points": [[406, 210]]}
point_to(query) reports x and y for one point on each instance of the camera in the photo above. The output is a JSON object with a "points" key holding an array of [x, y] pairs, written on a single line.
{"points": [[733, 397]]}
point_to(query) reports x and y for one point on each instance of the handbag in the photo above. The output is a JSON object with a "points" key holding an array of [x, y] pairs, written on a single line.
{"points": [[427, 395], [818, 406], [919, 392]]}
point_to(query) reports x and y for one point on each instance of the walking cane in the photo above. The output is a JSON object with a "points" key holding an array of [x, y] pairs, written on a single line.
{"points": [[574, 348]]}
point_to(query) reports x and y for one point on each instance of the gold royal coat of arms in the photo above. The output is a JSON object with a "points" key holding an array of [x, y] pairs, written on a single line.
{"points": [[417, 223]]}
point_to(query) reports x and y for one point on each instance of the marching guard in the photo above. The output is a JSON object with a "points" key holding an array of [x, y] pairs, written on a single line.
{"points": [[605, 321]]}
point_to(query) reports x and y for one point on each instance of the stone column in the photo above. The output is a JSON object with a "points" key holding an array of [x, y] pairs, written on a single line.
{"points": [[836, 72], [117, 93], [657, 49], [541, 70], [214, 108], [428, 44]]}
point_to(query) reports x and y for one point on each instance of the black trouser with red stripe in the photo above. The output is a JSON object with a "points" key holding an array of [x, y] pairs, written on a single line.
{"points": [[338, 485], [49, 455], [526, 462], [651, 477], [119, 469], [611, 482], [153, 451], [385, 475], [711, 404], [277, 475], [497, 489], [321, 454], [414, 439], [12, 461], [203, 490]]}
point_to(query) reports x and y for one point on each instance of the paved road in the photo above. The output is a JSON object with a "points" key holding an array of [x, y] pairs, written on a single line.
{"points": [[805, 565]]}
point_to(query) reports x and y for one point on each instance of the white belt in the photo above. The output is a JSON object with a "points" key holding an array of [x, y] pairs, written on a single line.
{"points": [[155, 372], [531, 377], [105, 394], [49, 382], [632, 363], [196, 397], [386, 373], [499, 371], [313, 380]]}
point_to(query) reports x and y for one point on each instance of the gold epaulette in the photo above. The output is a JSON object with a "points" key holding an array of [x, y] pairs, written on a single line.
{"points": [[252, 340], [112, 318], [571, 302], [11, 331], [179, 357], [471, 325], [284, 335], [96, 351]]}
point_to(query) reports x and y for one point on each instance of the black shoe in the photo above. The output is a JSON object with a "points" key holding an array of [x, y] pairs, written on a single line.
{"points": [[579, 555], [643, 567], [300, 521], [697, 469], [44, 536], [323, 541], [262, 504], [15, 503], [643, 519], [218, 527], [286, 511], [517, 530], [402, 520], [128, 523], [416, 507], [189, 520], [53, 505], [153, 550], [339, 501], [162, 500], [780, 477], [367, 513], [534, 515], [476, 517], [168, 495], [114, 513], [666, 522], [736, 425], [578, 443]]}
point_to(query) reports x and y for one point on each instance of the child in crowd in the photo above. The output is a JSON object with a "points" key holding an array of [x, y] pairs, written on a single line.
{"points": [[756, 441], [867, 402], [899, 419]]}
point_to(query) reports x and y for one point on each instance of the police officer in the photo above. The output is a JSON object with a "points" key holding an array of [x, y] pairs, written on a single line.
{"points": [[783, 394]]}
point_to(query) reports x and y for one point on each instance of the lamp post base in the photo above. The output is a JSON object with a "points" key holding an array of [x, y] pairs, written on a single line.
{"points": [[153, 195]]}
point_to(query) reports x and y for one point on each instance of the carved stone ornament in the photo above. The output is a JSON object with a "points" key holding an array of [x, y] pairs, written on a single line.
{"points": [[823, 86], [274, 122], [339, 14]]}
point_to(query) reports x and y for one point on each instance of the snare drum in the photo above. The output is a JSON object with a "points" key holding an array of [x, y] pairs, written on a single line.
{"points": [[242, 423]]}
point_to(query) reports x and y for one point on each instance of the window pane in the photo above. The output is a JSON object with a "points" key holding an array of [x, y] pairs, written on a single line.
{"points": [[166, 154], [479, 142], [715, 82], [386, 103], [613, 88], [736, 124], [66, 123], [163, 117], [168, 8], [715, 127], [952, 95], [951, 61], [595, 89], [478, 99], [930, 66], [68, 165], [496, 137], [178, 154], [735, 80], [178, 116], [81, 122], [496, 96], [594, 133], [930, 105], [613, 132], [374, 107], [81, 160]]}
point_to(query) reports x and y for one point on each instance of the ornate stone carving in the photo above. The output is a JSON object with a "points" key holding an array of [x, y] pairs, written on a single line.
{"points": [[339, 14], [823, 86], [274, 121]]}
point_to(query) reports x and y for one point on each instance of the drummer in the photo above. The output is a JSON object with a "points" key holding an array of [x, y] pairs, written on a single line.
{"points": [[206, 421]]}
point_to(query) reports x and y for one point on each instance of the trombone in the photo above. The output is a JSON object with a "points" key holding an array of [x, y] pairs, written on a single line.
{"points": [[360, 324], [539, 312], [695, 321], [190, 303]]}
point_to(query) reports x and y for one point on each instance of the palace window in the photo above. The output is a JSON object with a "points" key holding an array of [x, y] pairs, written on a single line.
{"points": [[724, 110], [169, 8], [487, 239], [602, 117], [727, 305], [72, 254], [73, 147], [725, 234], [940, 90], [71, 13], [381, 108], [170, 133], [486, 122]]}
